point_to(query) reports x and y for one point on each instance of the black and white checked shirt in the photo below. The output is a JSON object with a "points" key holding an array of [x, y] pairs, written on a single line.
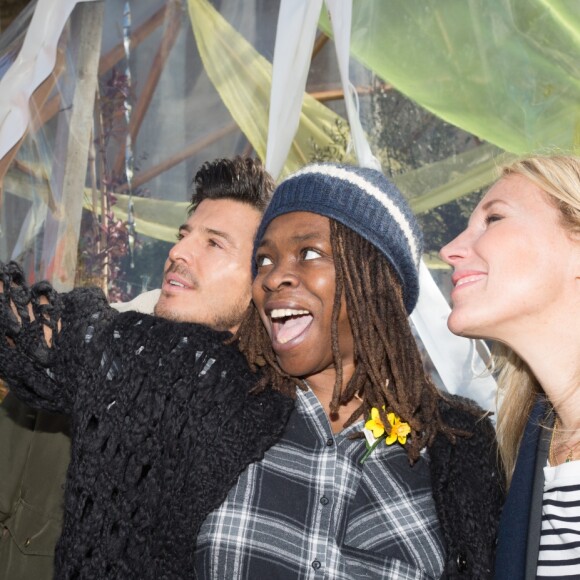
{"points": [[309, 510]]}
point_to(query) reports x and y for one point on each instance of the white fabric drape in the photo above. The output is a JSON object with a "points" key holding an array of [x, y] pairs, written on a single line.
{"points": [[341, 18], [33, 64], [294, 43], [456, 359]]}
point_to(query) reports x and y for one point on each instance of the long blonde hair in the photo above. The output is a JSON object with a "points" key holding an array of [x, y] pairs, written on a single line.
{"points": [[559, 177]]}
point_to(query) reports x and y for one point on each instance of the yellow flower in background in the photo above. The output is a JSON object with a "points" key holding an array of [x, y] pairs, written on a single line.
{"points": [[374, 424], [399, 429]]}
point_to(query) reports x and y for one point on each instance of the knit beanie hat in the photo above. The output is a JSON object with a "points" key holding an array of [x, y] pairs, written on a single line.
{"points": [[365, 201]]}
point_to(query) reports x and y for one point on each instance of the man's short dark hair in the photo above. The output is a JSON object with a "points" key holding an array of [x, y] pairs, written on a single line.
{"points": [[240, 179]]}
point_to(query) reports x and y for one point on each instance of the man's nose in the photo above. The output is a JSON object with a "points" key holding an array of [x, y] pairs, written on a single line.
{"points": [[183, 250]]}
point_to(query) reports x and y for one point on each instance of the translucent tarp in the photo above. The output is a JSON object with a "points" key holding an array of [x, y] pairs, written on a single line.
{"points": [[200, 72], [178, 120], [505, 70], [243, 79]]}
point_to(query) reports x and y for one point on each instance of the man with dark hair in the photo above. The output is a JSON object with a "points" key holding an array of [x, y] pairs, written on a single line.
{"points": [[207, 273], [207, 280], [240, 179]]}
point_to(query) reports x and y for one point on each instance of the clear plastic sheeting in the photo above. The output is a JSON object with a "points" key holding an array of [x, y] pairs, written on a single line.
{"points": [[243, 79], [507, 71], [193, 98], [438, 183], [199, 88]]}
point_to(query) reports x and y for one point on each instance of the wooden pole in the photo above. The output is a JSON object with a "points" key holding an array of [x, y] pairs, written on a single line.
{"points": [[109, 60], [337, 94], [62, 230], [319, 44], [190, 151]]}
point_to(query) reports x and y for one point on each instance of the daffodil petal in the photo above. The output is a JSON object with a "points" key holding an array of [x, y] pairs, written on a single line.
{"points": [[378, 430], [391, 438]]}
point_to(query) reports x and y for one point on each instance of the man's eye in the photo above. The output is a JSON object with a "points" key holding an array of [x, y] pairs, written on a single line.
{"points": [[263, 261], [310, 254], [179, 236], [214, 243]]}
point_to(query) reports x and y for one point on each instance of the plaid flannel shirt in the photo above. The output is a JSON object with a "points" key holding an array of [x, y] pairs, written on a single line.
{"points": [[310, 510]]}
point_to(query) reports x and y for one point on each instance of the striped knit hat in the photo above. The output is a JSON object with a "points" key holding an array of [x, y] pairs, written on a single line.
{"points": [[365, 201]]}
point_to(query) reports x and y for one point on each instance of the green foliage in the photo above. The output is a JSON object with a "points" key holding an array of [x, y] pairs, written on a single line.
{"points": [[405, 137], [336, 152], [441, 224]]}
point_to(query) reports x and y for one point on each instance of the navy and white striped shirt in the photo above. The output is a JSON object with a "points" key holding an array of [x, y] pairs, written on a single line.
{"points": [[559, 555], [309, 510]]}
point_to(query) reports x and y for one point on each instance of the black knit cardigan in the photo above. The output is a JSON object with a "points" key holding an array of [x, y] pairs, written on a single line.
{"points": [[468, 487], [162, 425]]}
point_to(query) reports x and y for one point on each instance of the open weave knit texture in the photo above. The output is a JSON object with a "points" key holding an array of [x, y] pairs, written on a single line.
{"points": [[468, 486], [162, 425]]}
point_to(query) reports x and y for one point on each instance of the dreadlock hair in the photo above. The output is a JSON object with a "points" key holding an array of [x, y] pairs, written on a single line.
{"points": [[389, 370]]}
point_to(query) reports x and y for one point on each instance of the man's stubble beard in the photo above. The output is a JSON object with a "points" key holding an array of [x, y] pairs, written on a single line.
{"points": [[215, 320]]}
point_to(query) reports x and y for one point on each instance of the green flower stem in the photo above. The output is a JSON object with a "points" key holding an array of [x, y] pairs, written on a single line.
{"points": [[371, 449]]}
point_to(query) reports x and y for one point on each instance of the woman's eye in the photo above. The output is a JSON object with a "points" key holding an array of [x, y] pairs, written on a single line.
{"points": [[492, 218], [310, 254], [263, 261]]}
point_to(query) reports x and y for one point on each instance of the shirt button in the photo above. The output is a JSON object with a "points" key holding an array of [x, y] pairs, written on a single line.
{"points": [[324, 500], [461, 562], [330, 442], [316, 565], [27, 542]]}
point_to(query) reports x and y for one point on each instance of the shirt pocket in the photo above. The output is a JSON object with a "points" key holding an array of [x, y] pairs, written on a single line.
{"points": [[32, 531]]}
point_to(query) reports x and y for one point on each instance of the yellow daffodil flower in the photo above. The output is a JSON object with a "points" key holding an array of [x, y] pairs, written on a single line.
{"points": [[399, 430], [374, 424]]}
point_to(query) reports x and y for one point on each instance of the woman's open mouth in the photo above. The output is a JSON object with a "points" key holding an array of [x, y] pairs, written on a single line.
{"points": [[288, 324]]}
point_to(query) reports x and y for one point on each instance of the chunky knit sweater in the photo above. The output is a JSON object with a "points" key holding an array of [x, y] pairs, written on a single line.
{"points": [[163, 422]]}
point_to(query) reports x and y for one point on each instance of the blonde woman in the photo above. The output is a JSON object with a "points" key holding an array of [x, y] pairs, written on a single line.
{"points": [[517, 281]]}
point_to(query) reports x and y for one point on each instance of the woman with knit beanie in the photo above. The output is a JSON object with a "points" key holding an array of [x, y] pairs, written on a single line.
{"points": [[517, 282], [406, 475]]}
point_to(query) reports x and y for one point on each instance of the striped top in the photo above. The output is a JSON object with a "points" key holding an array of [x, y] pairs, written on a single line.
{"points": [[559, 555]]}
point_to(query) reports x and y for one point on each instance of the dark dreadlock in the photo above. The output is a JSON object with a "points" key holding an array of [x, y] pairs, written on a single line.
{"points": [[389, 371]]}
